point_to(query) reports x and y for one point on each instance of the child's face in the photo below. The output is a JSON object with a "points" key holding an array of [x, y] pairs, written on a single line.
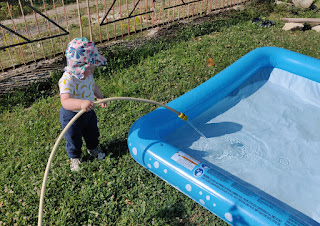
{"points": [[89, 70]]}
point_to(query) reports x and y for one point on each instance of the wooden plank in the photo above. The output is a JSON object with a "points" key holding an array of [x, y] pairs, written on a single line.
{"points": [[313, 21]]}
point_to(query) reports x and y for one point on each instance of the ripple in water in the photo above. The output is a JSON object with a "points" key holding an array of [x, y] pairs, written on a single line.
{"points": [[284, 164], [236, 148]]}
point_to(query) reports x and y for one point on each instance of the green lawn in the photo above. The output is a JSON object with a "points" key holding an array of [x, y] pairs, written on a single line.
{"points": [[117, 190]]}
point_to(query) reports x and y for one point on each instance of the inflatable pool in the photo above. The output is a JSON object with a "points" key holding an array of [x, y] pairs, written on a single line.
{"points": [[250, 150]]}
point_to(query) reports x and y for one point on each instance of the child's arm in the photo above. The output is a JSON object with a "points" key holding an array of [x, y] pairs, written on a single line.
{"points": [[98, 95], [71, 104]]}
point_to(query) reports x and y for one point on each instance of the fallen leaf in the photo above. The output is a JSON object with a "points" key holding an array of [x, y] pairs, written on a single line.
{"points": [[199, 39], [1, 203], [210, 62], [128, 202]]}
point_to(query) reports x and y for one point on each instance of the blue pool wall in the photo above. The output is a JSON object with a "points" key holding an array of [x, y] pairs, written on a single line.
{"points": [[227, 197]]}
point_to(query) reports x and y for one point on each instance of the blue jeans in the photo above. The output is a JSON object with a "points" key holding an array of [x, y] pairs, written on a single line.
{"points": [[85, 126]]}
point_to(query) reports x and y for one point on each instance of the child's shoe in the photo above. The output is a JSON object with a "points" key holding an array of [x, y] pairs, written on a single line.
{"points": [[75, 164], [97, 153]]}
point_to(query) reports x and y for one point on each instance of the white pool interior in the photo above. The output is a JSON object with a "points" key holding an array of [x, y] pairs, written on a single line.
{"points": [[267, 133]]}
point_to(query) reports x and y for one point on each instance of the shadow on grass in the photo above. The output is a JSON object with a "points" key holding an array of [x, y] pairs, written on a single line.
{"points": [[176, 215], [116, 148], [26, 96]]}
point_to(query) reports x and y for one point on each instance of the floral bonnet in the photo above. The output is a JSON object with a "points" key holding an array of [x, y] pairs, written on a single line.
{"points": [[80, 54]]}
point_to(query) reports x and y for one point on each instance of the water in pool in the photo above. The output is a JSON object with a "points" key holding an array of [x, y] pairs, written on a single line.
{"points": [[266, 133]]}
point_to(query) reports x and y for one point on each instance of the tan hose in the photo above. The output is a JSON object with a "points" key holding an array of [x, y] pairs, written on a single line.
{"points": [[43, 188]]}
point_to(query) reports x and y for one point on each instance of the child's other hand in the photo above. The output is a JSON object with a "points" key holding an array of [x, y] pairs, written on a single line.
{"points": [[103, 105], [87, 105]]}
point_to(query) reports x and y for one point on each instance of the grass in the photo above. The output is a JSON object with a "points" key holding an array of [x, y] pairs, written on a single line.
{"points": [[118, 191]]}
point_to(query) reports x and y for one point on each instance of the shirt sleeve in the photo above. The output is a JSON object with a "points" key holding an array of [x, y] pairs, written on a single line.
{"points": [[65, 85]]}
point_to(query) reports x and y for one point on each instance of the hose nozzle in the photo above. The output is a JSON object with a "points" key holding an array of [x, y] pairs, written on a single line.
{"points": [[183, 117]]}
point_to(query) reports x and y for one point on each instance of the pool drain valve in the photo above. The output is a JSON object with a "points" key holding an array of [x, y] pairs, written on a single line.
{"points": [[183, 116]]}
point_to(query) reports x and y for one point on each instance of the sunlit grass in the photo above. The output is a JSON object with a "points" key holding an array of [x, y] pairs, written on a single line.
{"points": [[117, 190]]}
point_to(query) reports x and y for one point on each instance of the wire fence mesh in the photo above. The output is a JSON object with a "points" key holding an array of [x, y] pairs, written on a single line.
{"points": [[32, 30]]}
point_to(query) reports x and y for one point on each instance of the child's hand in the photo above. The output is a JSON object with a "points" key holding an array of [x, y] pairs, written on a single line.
{"points": [[103, 105], [87, 105], [99, 96]]}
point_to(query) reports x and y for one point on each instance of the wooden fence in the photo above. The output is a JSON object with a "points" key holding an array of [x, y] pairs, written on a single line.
{"points": [[32, 30]]}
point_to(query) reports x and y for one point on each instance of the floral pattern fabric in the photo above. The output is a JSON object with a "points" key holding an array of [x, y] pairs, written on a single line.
{"points": [[81, 53]]}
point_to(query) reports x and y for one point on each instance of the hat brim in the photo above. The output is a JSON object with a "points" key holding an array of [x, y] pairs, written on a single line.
{"points": [[100, 60]]}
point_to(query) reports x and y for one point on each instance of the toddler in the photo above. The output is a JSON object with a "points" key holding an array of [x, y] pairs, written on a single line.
{"points": [[77, 91]]}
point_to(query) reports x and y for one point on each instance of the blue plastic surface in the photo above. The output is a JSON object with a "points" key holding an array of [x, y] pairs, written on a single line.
{"points": [[210, 186]]}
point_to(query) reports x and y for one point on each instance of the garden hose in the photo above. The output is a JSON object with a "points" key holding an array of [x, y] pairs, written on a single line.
{"points": [[43, 188]]}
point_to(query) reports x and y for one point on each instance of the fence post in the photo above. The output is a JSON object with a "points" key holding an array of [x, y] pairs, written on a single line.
{"points": [[15, 29], [79, 17], [41, 43], [55, 11], [66, 18], [5, 40], [27, 31], [105, 11], [98, 18], [89, 20], [45, 10]]}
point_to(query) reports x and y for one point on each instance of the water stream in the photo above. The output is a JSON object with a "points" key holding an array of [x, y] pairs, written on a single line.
{"points": [[197, 130]]}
